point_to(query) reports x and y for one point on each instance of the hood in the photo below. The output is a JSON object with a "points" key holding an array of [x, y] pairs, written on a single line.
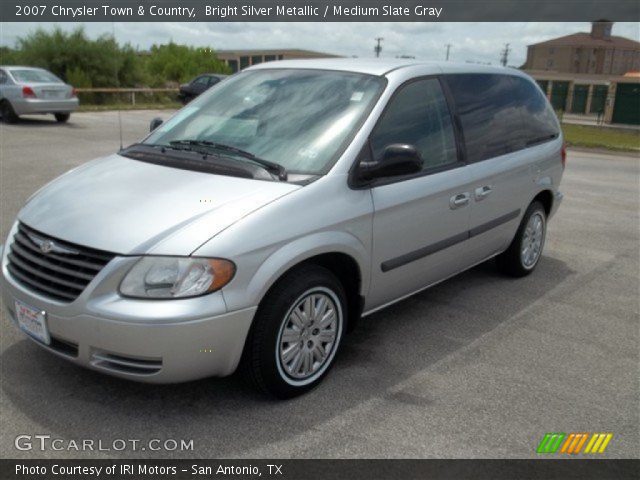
{"points": [[127, 206]]}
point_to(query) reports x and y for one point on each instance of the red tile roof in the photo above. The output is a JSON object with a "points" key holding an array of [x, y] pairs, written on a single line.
{"points": [[586, 40]]}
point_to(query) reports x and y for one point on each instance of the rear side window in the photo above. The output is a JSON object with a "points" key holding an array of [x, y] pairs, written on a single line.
{"points": [[489, 114], [500, 114], [418, 115]]}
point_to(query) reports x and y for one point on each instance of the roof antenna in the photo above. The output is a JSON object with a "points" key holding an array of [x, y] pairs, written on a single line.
{"points": [[115, 68]]}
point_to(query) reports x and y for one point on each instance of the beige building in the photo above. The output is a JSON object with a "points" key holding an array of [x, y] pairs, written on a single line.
{"points": [[598, 53], [239, 59]]}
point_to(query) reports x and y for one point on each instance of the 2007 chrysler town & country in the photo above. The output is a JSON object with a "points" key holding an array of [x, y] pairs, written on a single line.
{"points": [[259, 222]]}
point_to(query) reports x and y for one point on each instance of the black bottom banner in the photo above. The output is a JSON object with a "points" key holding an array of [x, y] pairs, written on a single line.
{"points": [[321, 469]]}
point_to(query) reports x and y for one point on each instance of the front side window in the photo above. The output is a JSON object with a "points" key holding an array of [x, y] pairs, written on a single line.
{"points": [[300, 119], [418, 115]]}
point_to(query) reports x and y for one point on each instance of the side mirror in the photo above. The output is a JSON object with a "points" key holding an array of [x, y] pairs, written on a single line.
{"points": [[397, 159], [155, 123]]}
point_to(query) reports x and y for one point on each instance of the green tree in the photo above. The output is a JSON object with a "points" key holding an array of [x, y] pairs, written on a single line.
{"points": [[9, 56], [173, 63], [102, 61]]}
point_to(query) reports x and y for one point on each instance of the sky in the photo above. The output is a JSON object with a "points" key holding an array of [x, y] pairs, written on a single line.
{"points": [[476, 42]]}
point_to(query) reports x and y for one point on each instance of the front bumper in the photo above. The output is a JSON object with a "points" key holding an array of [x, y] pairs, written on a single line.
{"points": [[26, 106], [155, 341]]}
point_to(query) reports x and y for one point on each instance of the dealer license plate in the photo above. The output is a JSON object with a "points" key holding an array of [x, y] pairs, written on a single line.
{"points": [[33, 322], [53, 94]]}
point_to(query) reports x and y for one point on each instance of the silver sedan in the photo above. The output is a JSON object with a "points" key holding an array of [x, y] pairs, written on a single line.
{"points": [[28, 90]]}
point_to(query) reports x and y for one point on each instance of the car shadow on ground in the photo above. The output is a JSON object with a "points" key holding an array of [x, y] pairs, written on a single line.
{"points": [[41, 121], [225, 419]]}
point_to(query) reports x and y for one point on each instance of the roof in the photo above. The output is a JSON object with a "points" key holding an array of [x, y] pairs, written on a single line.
{"points": [[274, 51], [21, 67], [583, 39], [375, 66]]}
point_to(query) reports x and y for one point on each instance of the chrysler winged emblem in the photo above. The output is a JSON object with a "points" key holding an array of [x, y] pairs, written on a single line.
{"points": [[48, 246]]}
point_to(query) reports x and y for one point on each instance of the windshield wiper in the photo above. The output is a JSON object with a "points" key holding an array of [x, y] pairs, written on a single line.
{"points": [[273, 167]]}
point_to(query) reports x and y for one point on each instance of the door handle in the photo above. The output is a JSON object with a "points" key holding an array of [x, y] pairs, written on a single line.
{"points": [[459, 200], [483, 192]]}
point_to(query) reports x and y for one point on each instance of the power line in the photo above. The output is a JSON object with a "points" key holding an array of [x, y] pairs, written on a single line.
{"points": [[378, 47], [505, 55], [448, 45]]}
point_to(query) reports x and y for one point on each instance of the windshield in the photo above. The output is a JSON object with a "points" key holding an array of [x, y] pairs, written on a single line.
{"points": [[300, 119], [34, 76]]}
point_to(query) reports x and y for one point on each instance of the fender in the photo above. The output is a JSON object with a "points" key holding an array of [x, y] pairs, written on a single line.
{"points": [[294, 253]]}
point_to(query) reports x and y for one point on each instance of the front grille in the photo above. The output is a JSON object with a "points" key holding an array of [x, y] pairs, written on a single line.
{"points": [[56, 274]]}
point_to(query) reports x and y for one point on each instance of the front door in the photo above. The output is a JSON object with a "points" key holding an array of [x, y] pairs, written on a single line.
{"points": [[420, 223]]}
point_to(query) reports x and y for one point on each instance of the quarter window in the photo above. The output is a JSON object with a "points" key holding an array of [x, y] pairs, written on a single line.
{"points": [[538, 120], [418, 115]]}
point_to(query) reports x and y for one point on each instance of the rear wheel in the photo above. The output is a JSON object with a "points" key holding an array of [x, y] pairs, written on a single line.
{"points": [[296, 333], [522, 256], [7, 112], [62, 117]]}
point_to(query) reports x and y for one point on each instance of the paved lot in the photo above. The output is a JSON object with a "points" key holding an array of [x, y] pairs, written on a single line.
{"points": [[479, 366]]}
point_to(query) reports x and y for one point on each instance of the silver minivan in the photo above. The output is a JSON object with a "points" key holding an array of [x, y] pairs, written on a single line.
{"points": [[254, 227]]}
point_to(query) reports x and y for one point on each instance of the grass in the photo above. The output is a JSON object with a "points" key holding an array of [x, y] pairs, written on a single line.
{"points": [[129, 106], [609, 138]]}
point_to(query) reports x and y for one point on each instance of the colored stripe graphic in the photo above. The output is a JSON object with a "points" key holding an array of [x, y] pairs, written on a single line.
{"points": [[574, 443], [550, 442], [598, 442]]}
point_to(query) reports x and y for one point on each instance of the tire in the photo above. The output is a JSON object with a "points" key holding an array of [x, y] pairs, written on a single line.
{"points": [[276, 367], [62, 117], [7, 112], [516, 261]]}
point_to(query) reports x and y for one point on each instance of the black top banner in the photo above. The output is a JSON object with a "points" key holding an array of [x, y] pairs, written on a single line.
{"points": [[318, 10]]}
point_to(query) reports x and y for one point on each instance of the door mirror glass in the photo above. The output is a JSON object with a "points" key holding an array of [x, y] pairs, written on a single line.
{"points": [[398, 159], [155, 123]]}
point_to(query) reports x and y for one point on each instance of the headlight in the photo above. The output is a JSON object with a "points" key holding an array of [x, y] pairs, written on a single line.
{"points": [[176, 277]]}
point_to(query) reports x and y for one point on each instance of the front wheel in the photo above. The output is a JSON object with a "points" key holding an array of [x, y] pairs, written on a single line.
{"points": [[296, 333], [523, 254]]}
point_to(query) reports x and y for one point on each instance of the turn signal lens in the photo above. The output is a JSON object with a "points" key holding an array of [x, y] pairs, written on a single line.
{"points": [[176, 277]]}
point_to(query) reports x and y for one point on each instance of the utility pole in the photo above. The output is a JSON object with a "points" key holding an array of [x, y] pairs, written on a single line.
{"points": [[448, 45], [505, 55], [378, 47]]}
